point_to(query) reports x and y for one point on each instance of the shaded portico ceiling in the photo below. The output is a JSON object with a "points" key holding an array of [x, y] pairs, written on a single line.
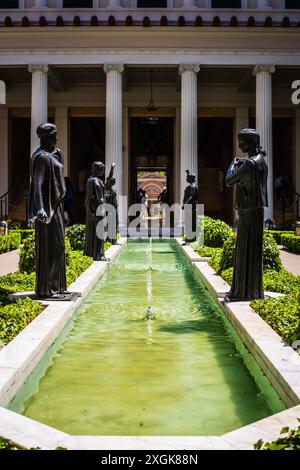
{"points": [[62, 78]]}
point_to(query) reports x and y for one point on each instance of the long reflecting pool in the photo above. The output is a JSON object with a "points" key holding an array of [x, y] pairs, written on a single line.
{"points": [[149, 352]]}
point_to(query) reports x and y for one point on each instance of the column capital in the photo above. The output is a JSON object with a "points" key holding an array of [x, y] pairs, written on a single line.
{"points": [[113, 67], [188, 68], [38, 68], [264, 68]]}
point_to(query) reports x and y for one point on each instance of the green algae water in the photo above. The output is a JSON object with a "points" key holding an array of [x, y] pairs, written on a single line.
{"points": [[149, 352]]}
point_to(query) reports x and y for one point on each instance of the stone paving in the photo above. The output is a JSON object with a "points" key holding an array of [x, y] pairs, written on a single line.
{"points": [[290, 261], [9, 262]]}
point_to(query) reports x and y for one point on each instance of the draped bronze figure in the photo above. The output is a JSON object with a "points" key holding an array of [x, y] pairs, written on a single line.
{"points": [[190, 199], [46, 208], [94, 203], [111, 198], [250, 175]]}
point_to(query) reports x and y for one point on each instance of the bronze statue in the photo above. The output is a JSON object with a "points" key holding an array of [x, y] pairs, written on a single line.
{"points": [[112, 199], [46, 208], [94, 203], [191, 199], [249, 174]]}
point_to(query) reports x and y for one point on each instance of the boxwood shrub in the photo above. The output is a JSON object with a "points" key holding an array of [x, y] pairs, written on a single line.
{"points": [[9, 242], [291, 242], [76, 236], [282, 281], [215, 231], [24, 233], [14, 317], [15, 282], [208, 251], [4, 243], [277, 234], [282, 314]]}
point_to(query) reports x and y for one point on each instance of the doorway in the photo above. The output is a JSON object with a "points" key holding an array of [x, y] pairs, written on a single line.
{"points": [[151, 157]]}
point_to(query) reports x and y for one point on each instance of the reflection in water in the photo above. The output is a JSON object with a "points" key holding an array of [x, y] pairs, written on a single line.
{"points": [[119, 373]]}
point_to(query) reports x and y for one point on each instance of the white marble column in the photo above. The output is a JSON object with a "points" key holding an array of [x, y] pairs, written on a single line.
{"points": [[114, 4], [189, 140], [3, 150], [114, 137], [263, 5], [40, 4], [61, 122], [39, 100], [264, 123], [189, 4]]}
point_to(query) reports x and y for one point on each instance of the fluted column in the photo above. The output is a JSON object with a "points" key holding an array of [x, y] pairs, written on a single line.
{"points": [[39, 100], [40, 4], [263, 5], [114, 4], [62, 121], [264, 123], [114, 138], [189, 4], [189, 141]]}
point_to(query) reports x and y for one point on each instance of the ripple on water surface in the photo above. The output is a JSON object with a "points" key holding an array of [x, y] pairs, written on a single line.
{"points": [[178, 373]]}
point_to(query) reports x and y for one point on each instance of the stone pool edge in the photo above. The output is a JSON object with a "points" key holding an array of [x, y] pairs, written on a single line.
{"points": [[279, 362], [27, 433], [19, 357]]}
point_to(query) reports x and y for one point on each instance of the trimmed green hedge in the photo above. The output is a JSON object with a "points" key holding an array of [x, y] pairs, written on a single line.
{"points": [[15, 282], [215, 231], [282, 281], [282, 314], [9, 242], [14, 317], [208, 251], [76, 236], [25, 233], [291, 242], [277, 234]]}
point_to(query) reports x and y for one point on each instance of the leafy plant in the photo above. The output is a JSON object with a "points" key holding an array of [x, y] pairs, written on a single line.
{"points": [[271, 254], [215, 231], [6, 444], [215, 260], [291, 242], [27, 256], [282, 314], [15, 240], [207, 251], [4, 243], [14, 317], [25, 233], [281, 281], [276, 234], [77, 264], [291, 441], [15, 282], [76, 236]]}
